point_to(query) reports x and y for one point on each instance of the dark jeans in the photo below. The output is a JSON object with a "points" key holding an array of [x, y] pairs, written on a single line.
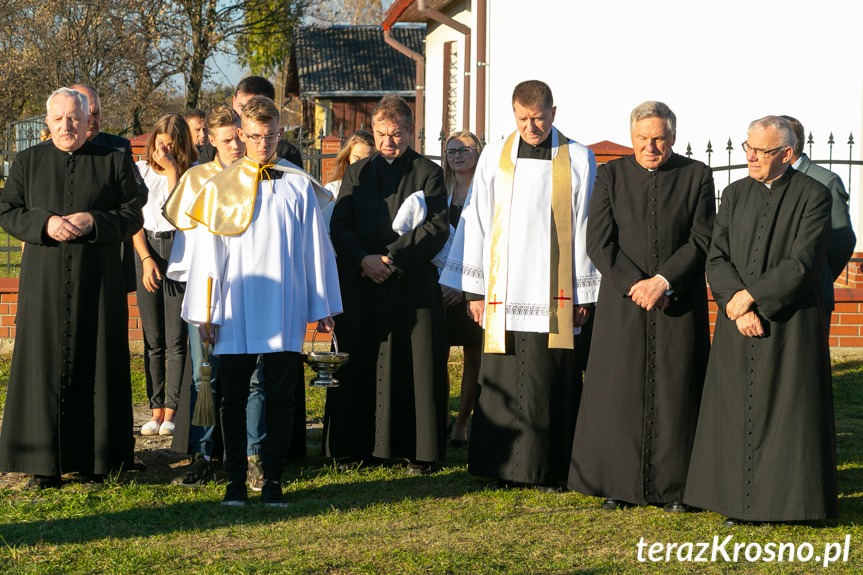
{"points": [[235, 371], [201, 438], [164, 329]]}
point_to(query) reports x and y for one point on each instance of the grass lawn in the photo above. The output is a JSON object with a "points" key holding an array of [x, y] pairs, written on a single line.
{"points": [[381, 521]]}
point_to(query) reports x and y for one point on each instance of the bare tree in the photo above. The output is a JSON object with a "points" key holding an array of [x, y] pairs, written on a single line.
{"points": [[351, 12], [123, 48], [220, 25]]}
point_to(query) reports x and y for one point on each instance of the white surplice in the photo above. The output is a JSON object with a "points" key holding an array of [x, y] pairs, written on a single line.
{"points": [[270, 280], [528, 291]]}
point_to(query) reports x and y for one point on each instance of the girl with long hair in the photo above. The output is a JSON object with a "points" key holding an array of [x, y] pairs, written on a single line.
{"points": [[170, 152]]}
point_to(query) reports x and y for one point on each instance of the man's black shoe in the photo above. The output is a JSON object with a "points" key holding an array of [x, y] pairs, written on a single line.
{"points": [[235, 494], [614, 504], [271, 494], [39, 482], [675, 507]]}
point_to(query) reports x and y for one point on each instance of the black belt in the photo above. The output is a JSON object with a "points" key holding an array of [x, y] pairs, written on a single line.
{"points": [[160, 235]]}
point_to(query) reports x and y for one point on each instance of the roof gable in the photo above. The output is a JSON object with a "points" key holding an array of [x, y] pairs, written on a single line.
{"points": [[354, 60]]}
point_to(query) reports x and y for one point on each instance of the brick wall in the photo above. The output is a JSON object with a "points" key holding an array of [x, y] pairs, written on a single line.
{"points": [[329, 145]]}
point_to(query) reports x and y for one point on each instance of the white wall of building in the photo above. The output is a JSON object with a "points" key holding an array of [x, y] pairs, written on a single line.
{"points": [[719, 65], [438, 35]]}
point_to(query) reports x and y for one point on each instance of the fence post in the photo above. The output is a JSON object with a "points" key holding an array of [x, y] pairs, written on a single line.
{"points": [[850, 158], [729, 147]]}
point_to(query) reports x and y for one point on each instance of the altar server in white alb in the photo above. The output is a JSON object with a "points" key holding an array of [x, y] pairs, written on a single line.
{"points": [[272, 271], [519, 255]]}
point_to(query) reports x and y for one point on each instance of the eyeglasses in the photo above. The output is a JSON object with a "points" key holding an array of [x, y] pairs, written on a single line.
{"points": [[760, 153], [269, 138], [463, 151]]}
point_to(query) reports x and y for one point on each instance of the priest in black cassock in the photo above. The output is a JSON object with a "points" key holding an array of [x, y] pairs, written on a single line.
{"points": [[649, 226], [519, 254], [392, 401], [765, 444], [69, 401]]}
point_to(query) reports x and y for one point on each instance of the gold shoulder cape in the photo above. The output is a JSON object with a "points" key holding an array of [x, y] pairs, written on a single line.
{"points": [[226, 203], [184, 193]]}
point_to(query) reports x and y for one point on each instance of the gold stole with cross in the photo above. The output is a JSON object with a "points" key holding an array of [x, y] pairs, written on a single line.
{"points": [[560, 320]]}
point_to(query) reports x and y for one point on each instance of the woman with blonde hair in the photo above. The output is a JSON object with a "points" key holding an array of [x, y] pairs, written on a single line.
{"points": [[360, 144], [461, 152], [170, 152]]}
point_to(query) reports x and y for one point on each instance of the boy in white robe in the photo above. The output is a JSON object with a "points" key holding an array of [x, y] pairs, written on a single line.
{"points": [[272, 271]]}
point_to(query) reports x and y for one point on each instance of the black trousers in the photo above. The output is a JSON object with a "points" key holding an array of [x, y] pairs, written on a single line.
{"points": [[235, 371], [164, 330]]}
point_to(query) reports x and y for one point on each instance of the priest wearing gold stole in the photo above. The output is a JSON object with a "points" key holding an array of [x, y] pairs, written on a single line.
{"points": [[519, 255], [265, 271]]}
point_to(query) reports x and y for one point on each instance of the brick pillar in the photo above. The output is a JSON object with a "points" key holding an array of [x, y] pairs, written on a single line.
{"points": [[852, 277], [329, 145]]}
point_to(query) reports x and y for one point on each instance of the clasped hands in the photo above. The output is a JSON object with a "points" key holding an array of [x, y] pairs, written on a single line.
{"points": [[739, 310], [650, 293], [375, 267], [67, 228]]}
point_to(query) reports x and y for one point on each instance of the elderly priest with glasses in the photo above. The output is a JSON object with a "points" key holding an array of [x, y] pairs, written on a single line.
{"points": [[765, 443], [519, 253]]}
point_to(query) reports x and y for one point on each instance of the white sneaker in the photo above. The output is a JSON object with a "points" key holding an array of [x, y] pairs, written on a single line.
{"points": [[150, 428], [167, 428]]}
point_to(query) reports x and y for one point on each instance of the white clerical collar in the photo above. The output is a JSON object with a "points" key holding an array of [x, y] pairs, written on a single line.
{"points": [[796, 165], [389, 161], [768, 184]]}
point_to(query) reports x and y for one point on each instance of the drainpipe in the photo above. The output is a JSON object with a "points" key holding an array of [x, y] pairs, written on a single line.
{"points": [[481, 64], [458, 27], [420, 81]]}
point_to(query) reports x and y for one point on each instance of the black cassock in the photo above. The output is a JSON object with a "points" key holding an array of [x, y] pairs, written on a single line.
{"points": [[392, 401], [644, 377], [69, 404], [765, 447]]}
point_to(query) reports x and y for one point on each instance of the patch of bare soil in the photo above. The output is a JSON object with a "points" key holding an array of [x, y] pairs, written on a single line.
{"points": [[153, 451]]}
